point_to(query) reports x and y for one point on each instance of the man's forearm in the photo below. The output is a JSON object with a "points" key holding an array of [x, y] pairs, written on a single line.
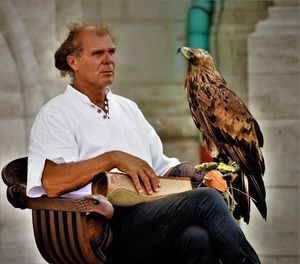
{"points": [[58, 179]]}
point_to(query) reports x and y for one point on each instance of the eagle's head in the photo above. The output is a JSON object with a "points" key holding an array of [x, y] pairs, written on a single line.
{"points": [[197, 57]]}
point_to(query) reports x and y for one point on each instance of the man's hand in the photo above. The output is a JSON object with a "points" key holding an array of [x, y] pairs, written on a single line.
{"points": [[139, 171]]}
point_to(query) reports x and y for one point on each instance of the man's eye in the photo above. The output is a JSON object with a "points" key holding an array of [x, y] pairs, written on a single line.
{"points": [[100, 53]]}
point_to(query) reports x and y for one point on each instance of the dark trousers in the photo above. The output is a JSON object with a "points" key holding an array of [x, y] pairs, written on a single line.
{"points": [[193, 227]]}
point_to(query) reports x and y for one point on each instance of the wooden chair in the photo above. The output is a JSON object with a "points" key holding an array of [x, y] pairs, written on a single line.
{"points": [[63, 227]]}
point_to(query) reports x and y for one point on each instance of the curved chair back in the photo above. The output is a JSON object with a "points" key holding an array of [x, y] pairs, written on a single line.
{"points": [[62, 227]]}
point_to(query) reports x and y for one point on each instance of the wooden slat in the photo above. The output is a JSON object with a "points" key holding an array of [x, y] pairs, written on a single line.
{"points": [[36, 222], [73, 237], [54, 231], [84, 241], [64, 241], [47, 238]]}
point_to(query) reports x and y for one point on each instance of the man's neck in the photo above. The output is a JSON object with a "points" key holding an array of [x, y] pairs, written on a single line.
{"points": [[95, 94]]}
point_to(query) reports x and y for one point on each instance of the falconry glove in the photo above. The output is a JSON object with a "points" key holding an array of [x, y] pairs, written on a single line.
{"points": [[217, 175], [229, 171], [210, 174], [187, 169]]}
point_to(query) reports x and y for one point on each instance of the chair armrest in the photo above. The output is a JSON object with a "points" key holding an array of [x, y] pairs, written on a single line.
{"points": [[91, 203], [97, 203]]}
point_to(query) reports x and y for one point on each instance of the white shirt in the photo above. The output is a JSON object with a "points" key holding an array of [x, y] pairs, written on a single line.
{"points": [[71, 128]]}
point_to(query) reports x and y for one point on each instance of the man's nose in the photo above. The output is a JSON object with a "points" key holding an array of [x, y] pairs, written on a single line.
{"points": [[108, 58]]}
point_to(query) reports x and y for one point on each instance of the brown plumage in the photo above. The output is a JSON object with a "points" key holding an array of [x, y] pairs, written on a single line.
{"points": [[228, 128]]}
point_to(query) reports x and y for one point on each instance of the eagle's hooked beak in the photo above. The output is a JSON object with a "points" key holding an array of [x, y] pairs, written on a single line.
{"points": [[185, 52]]}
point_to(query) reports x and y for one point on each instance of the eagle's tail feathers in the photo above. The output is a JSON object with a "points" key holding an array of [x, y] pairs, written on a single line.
{"points": [[240, 188], [257, 190]]}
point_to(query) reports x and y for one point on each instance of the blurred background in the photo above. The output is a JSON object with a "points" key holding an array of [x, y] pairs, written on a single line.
{"points": [[255, 44]]}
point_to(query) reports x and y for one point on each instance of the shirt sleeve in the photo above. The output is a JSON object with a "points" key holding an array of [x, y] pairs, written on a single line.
{"points": [[51, 138]]}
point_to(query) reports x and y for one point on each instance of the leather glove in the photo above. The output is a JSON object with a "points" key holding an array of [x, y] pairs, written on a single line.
{"points": [[187, 169]]}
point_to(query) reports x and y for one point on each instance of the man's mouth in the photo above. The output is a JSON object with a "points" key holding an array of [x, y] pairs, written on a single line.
{"points": [[107, 72]]}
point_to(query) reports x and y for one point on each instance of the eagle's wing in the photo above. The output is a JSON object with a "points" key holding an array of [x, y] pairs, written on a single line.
{"points": [[226, 123]]}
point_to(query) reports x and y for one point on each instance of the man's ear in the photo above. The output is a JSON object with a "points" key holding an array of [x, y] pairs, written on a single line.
{"points": [[72, 61]]}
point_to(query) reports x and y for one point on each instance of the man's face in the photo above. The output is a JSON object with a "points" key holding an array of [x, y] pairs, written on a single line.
{"points": [[95, 67]]}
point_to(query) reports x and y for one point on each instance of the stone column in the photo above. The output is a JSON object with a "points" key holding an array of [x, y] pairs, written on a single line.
{"points": [[27, 41], [27, 69], [233, 21], [273, 71]]}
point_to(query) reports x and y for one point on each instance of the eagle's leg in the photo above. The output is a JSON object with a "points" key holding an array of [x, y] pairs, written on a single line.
{"points": [[217, 156], [220, 157], [228, 167]]}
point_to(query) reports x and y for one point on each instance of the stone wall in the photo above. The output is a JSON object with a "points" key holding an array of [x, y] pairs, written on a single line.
{"points": [[261, 63], [233, 21], [27, 37], [273, 72]]}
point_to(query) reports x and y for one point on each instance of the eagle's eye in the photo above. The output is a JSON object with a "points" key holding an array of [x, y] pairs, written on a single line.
{"points": [[190, 53]]}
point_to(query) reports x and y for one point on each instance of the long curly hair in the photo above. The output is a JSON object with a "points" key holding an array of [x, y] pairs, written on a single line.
{"points": [[72, 45]]}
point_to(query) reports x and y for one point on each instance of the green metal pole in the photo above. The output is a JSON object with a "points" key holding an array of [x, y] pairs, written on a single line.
{"points": [[199, 22]]}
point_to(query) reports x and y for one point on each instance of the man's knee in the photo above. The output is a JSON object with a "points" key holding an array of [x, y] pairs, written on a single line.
{"points": [[194, 245], [205, 200], [197, 235], [206, 193]]}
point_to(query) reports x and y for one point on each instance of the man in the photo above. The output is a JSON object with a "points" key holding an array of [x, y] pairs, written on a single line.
{"points": [[88, 130]]}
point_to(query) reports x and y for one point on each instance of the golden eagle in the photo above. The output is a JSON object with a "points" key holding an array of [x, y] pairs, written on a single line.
{"points": [[228, 128]]}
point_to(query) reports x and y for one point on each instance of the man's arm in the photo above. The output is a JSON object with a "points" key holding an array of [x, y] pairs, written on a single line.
{"points": [[58, 179]]}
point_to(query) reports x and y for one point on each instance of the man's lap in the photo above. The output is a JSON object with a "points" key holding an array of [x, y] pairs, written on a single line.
{"points": [[149, 229]]}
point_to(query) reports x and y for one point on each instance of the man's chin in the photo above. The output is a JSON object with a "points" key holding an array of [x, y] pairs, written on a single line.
{"points": [[109, 77], [108, 82]]}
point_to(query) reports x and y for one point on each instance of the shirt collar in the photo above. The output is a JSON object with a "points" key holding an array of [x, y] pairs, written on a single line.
{"points": [[71, 91]]}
